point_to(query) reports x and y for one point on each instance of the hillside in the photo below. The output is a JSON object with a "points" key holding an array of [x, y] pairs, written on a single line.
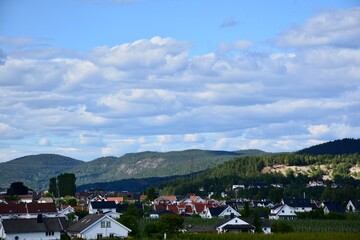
{"points": [[33, 170], [36, 170], [337, 147]]}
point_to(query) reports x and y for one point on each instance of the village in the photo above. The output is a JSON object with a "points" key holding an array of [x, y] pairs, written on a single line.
{"points": [[98, 214]]}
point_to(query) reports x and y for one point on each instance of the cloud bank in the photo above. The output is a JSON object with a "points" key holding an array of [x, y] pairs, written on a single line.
{"points": [[151, 94]]}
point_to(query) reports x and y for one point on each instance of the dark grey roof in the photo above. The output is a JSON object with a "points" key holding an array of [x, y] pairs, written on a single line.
{"points": [[356, 204], [27, 225], [298, 202], [334, 207], [103, 204], [161, 212], [84, 223], [216, 211], [235, 226]]}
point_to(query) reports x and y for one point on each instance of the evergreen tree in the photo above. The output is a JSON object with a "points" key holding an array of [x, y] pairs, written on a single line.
{"points": [[18, 188], [53, 188], [66, 184]]}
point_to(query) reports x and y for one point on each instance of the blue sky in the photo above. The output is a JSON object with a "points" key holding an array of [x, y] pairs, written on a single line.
{"points": [[91, 78]]}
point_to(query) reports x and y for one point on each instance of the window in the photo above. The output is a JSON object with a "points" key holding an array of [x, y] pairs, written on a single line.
{"points": [[112, 235], [105, 224], [99, 236], [49, 233], [282, 211]]}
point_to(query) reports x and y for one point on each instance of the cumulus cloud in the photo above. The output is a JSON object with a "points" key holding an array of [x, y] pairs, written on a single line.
{"points": [[151, 94], [339, 28]]}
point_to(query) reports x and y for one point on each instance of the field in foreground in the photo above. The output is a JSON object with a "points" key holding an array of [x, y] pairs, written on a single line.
{"points": [[283, 236]]}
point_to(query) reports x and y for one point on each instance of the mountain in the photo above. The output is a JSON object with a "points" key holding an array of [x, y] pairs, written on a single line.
{"points": [[36, 170], [337, 147]]}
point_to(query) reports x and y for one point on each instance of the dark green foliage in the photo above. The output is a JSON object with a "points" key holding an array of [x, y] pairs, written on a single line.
{"points": [[53, 189], [246, 211], [18, 188], [170, 223], [281, 227], [131, 219], [337, 147], [257, 223], [81, 214], [66, 184], [151, 194]]}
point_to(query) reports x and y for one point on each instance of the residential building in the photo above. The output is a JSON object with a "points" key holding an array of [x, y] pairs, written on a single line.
{"points": [[97, 226]]}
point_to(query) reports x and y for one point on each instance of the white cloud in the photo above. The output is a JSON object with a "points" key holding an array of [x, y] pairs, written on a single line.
{"points": [[332, 28], [151, 94], [44, 142]]}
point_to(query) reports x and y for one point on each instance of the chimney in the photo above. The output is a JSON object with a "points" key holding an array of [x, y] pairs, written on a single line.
{"points": [[39, 218]]}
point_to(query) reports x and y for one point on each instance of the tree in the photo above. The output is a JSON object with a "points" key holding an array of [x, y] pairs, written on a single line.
{"points": [[53, 189], [257, 222], [18, 188], [170, 223], [246, 211], [151, 194], [66, 184]]}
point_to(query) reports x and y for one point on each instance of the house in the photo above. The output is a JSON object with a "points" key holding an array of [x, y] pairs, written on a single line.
{"points": [[262, 203], [235, 225], [27, 210], [45, 200], [165, 200], [332, 207], [97, 226], [33, 228], [353, 206], [101, 207], [237, 187], [315, 184], [299, 204], [221, 212], [283, 212], [117, 200]]}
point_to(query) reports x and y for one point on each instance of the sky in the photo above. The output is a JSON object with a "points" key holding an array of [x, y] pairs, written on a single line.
{"points": [[93, 78]]}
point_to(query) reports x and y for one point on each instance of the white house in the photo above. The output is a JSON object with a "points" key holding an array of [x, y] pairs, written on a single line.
{"points": [[221, 212], [97, 226], [282, 212], [353, 206], [102, 207], [32, 228], [235, 225], [299, 204]]}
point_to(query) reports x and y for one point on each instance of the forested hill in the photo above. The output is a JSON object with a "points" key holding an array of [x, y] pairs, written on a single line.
{"points": [[337, 147], [36, 170]]}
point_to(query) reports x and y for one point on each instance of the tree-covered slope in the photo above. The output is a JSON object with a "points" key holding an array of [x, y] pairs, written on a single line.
{"points": [[36, 170], [337, 147]]}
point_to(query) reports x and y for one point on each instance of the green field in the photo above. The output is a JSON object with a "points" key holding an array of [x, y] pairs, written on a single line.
{"points": [[310, 225], [284, 236]]}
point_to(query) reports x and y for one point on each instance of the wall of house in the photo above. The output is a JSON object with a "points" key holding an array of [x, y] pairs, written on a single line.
{"points": [[228, 211], [32, 236], [115, 228]]}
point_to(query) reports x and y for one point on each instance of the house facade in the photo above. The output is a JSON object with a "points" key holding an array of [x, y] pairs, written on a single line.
{"points": [[221, 212], [32, 228], [235, 225], [283, 212], [97, 226]]}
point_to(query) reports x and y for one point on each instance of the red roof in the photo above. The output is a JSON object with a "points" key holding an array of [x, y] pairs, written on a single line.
{"points": [[41, 208], [173, 209], [188, 209], [13, 208], [159, 207]]}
